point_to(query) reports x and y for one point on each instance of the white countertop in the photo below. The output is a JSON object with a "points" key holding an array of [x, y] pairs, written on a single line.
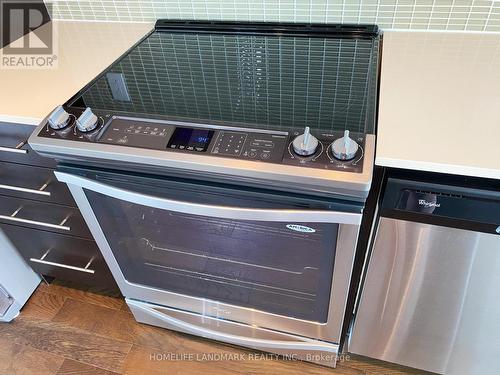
{"points": [[439, 106], [84, 50]]}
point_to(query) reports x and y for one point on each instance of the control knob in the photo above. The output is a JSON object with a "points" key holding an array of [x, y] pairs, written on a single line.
{"points": [[87, 121], [305, 144], [344, 148], [59, 118]]}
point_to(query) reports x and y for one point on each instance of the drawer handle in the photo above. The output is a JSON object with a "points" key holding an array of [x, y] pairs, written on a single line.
{"points": [[16, 219], [42, 260], [40, 191], [16, 150]]}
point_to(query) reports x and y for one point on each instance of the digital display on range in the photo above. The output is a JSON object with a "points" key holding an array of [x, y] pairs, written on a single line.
{"points": [[190, 139]]}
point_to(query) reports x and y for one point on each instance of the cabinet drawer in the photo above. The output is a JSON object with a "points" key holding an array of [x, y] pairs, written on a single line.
{"points": [[44, 216], [30, 182], [14, 147], [64, 257]]}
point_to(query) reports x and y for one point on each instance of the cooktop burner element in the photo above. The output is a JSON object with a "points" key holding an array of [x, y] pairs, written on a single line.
{"points": [[287, 106]]}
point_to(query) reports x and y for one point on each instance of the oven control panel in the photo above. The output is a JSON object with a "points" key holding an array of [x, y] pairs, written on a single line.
{"points": [[245, 144], [267, 147], [323, 150]]}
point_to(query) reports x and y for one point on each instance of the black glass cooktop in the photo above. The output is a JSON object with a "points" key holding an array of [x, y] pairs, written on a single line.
{"points": [[269, 76]]}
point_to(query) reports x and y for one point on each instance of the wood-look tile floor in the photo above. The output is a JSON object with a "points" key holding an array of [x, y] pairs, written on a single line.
{"points": [[65, 331]]}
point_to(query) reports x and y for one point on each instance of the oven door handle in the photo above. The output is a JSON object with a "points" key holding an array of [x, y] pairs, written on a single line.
{"points": [[291, 216]]}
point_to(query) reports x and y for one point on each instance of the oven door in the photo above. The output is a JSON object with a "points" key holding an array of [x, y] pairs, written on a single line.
{"points": [[263, 259]]}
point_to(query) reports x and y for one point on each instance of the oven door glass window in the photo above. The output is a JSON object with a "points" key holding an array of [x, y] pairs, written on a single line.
{"points": [[277, 267]]}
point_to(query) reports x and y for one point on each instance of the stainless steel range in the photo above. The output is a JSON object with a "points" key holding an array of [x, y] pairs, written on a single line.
{"points": [[222, 169]]}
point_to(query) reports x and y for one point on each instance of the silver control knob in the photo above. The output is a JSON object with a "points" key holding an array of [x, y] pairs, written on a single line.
{"points": [[87, 121], [344, 148], [59, 118], [305, 144]]}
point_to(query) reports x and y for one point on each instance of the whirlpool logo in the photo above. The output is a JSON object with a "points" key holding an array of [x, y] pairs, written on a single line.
{"points": [[427, 204], [300, 228]]}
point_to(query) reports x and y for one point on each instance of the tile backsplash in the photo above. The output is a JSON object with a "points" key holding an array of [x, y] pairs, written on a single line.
{"points": [[471, 15]]}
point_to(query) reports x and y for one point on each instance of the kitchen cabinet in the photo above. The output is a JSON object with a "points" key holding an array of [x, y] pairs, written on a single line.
{"points": [[39, 216]]}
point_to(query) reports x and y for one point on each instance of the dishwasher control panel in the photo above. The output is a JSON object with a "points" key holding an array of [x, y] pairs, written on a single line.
{"points": [[460, 207]]}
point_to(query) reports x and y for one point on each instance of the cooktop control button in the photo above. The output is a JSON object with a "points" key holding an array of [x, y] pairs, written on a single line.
{"points": [[344, 148], [305, 144], [87, 121], [59, 118], [230, 143]]}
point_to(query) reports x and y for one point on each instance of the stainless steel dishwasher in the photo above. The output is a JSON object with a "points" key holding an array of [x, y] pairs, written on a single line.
{"points": [[431, 295]]}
